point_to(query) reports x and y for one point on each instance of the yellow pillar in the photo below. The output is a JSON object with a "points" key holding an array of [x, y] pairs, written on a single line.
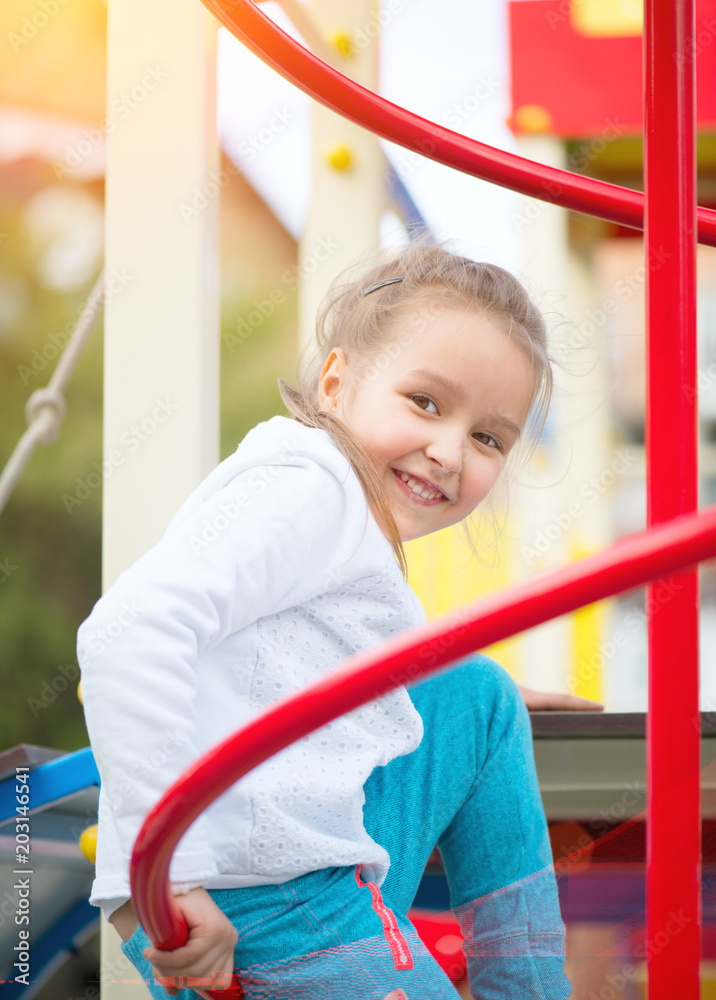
{"points": [[347, 165]]}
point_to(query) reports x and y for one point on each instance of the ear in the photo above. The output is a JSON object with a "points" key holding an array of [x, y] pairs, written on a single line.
{"points": [[332, 380]]}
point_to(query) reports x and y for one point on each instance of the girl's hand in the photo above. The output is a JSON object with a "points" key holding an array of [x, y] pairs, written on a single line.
{"points": [[208, 953], [545, 701]]}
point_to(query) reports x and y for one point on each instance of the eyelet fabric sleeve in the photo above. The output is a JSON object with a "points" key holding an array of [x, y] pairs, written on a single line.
{"points": [[275, 525]]}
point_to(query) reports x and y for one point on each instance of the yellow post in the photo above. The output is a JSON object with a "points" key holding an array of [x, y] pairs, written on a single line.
{"points": [[347, 165]]}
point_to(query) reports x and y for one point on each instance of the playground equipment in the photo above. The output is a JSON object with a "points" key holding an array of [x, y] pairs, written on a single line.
{"points": [[63, 794], [669, 215], [669, 397]]}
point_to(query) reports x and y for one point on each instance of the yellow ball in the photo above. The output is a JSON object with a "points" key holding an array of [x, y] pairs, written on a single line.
{"points": [[79, 692], [88, 843], [341, 40], [533, 118], [340, 158]]}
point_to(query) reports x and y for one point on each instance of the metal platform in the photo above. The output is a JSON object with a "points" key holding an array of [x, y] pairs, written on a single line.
{"points": [[593, 765]]}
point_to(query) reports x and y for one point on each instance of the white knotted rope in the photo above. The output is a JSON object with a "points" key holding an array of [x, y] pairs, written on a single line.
{"points": [[46, 408]]}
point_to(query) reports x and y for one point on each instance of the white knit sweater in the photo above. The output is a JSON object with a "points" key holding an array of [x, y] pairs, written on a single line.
{"points": [[271, 573]]}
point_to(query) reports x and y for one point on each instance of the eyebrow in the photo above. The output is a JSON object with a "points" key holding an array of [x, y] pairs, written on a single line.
{"points": [[449, 385], [445, 383]]}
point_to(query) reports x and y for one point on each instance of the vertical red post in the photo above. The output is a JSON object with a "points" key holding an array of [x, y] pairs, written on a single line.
{"points": [[673, 814]]}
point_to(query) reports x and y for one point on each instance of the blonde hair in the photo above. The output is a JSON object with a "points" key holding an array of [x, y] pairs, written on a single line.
{"points": [[363, 323]]}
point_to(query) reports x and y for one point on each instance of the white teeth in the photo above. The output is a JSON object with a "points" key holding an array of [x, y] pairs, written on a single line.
{"points": [[418, 488]]}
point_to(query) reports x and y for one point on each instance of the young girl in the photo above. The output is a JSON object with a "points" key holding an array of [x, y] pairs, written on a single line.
{"points": [[285, 561]]}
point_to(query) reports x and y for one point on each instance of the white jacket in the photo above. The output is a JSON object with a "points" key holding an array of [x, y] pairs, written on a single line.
{"points": [[270, 574]]}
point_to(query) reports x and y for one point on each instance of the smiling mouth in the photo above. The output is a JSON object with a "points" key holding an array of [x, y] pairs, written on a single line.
{"points": [[418, 488]]}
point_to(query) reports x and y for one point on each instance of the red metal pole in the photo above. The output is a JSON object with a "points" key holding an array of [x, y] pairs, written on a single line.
{"points": [[348, 98], [673, 816], [414, 654]]}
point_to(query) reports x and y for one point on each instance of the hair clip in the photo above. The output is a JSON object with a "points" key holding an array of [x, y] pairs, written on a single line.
{"points": [[381, 284]]}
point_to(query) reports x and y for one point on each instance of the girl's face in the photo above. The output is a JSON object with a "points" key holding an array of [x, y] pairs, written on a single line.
{"points": [[438, 411]]}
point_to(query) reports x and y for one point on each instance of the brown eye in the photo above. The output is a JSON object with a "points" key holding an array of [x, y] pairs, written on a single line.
{"points": [[488, 440], [420, 400]]}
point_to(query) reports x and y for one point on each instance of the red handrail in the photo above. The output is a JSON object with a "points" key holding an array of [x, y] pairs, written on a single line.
{"points": [[644, 557], [358, 104], [673, 821], [627, 564]]}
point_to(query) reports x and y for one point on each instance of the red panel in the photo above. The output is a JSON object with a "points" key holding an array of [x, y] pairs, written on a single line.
{"points": [[589, 85]]}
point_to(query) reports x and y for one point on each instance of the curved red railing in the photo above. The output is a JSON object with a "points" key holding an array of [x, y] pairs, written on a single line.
{"points": [[671, 216], [358, 104], [625, 565]]}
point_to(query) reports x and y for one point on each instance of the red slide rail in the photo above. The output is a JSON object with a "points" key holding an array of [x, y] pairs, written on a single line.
{"points": [[672, 222]]}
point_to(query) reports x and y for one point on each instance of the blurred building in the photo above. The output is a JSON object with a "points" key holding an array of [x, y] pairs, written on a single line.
{"points": [[576, 73]]}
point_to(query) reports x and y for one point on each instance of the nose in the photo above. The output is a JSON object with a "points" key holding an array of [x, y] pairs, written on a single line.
{"points": [[446, 450]]}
